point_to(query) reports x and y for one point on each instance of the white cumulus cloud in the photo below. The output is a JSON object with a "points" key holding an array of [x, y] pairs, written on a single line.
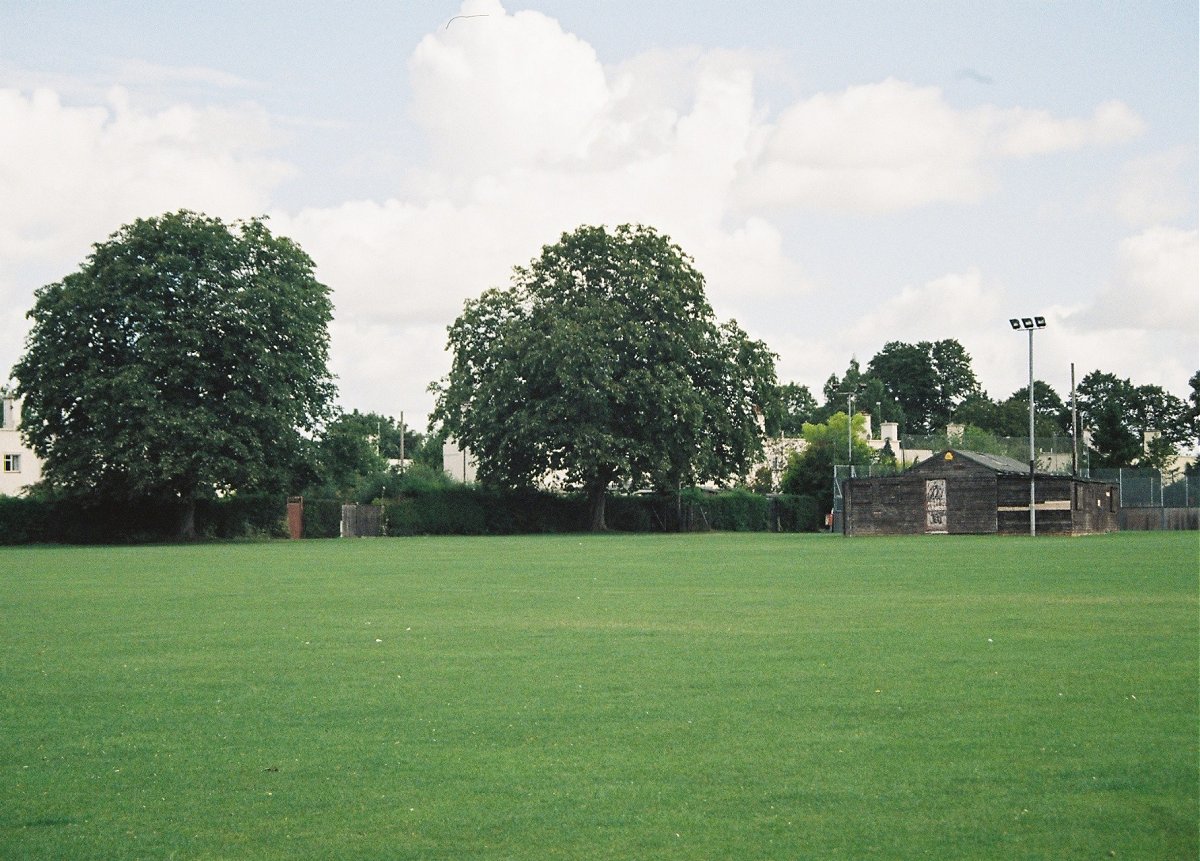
{"points": [[1156, 285], [529, 134], [893, 145], [71, 175]]}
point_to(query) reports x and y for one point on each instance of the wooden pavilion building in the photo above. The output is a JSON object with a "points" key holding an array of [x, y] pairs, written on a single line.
{"points": [[965, 492]]}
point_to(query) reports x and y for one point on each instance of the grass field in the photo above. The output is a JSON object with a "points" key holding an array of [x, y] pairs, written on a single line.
{"points": [[628, 697]]}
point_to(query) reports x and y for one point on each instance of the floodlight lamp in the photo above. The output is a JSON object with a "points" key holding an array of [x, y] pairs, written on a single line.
{"points": [[1040, 322], [1027, 323], [1015, 323]]}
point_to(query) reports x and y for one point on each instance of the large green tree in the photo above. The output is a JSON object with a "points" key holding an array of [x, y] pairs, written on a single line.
{"points": [[603, 361], [1119, 413], [185, 358], [1191, 416], [1010, 418], [810, 472], [928, 380], [791, 406], [356, 447], [870, 396]]}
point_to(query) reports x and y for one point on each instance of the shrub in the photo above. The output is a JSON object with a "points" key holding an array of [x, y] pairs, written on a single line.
{"points": [[797, 513], [24, 521]]}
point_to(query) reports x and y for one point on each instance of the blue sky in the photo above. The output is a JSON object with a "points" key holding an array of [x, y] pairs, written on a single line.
{"points": [[844, 174]]}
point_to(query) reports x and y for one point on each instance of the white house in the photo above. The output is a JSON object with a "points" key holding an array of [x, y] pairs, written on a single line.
{"points": [[458, 463], [19, 466]]}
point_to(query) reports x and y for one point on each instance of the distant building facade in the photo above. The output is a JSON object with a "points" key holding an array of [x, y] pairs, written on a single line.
{"points": [[19, 466], [459, 463]]}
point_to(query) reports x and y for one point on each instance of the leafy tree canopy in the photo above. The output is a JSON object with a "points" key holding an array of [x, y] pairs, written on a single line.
{"points": [[870, 396], [827, 444], [604, 361], [927, 380], [1119, 413], [355, 447], [184, 358], [1010, 417], [1192, 415], [791, 406]]}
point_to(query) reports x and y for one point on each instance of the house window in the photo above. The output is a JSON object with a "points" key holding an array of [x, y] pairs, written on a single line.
{"points": [[12, 463]]}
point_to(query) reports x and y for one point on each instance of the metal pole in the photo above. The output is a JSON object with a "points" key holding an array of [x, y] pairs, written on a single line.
{"points": [[1032, 453], [850, 429], [1074, 427]]}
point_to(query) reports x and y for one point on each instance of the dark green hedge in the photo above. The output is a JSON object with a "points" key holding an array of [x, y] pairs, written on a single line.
{"points": [[458, 510], [322, 518], [71, 521]]}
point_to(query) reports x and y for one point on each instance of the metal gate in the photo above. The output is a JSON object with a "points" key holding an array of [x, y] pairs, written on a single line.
{"points": [[362, 521]]}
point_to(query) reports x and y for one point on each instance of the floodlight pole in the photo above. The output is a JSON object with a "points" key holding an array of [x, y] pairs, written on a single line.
{"points": [[1030, 324], [1032, 452]]}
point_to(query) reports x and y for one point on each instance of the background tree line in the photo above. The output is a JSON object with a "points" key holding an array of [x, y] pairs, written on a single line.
{"points": [[926, 386], [186, 360]]}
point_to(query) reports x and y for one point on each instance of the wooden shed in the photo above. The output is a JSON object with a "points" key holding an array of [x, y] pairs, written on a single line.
{"points": [[964, 492]]}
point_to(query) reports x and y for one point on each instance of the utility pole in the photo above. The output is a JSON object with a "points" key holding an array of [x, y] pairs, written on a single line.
{"points": [[850, 396]]}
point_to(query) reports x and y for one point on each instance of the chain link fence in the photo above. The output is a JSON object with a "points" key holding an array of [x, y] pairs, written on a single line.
{"points": [[1137, 488], [1149, 488]]}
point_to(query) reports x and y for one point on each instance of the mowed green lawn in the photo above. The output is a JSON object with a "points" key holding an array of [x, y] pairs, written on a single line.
{"points": [[630, 697]]}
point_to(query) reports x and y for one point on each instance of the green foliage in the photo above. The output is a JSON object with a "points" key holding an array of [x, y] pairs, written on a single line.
{"points": [[928, 380], [1119, 413], [798, 513], [322, 518], [762, 481], [810, 472], [738, 510], [1010, 418], [416, 507], [603, 360], [1191, 416], [790, 407], [870, 396], [1160, 454], [353, 446], [25, 521], [429, 452], [182, 360], [71, 520], [453, 511]]}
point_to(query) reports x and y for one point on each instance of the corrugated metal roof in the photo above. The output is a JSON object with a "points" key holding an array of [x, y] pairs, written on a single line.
{"points": [[998, 462]]}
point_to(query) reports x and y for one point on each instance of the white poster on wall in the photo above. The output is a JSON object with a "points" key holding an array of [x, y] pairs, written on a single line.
{"points": [[935, 505]]}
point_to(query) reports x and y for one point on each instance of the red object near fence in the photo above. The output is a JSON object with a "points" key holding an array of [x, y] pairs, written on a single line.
{"points": [[295, 516]]}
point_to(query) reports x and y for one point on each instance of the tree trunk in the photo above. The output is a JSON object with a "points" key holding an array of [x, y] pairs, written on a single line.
{"points": [[187, 521], [596, 496]]}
